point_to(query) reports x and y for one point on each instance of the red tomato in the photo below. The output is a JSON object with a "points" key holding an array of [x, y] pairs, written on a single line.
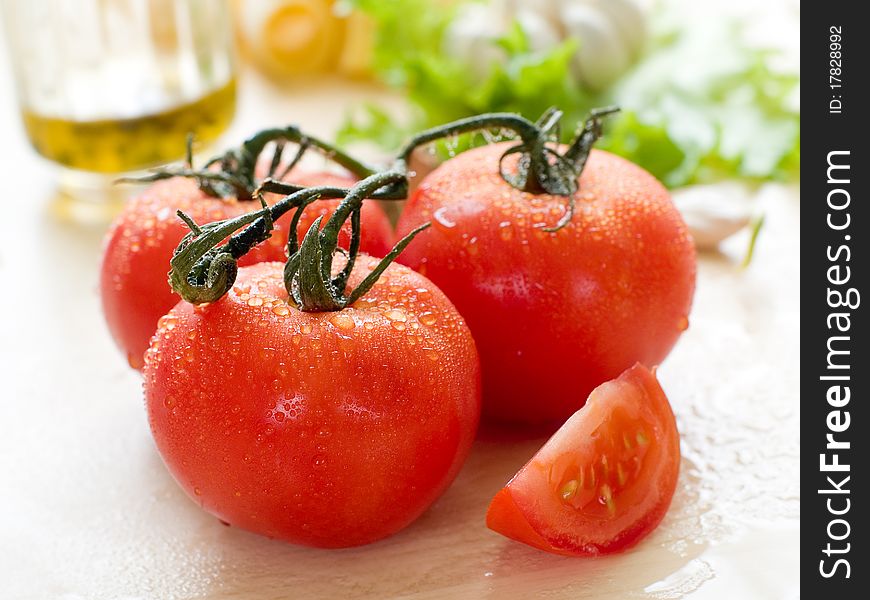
{"points": [[140, 243], [327, 429], [554, 314], [604, 480]]}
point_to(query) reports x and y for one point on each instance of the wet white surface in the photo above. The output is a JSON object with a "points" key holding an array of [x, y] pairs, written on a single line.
{"points": [[87, 509]]}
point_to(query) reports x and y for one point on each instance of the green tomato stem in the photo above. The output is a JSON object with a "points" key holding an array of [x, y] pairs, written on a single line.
{"points": [[541, 168], [203, 270], [308, 272], [236, 176]]}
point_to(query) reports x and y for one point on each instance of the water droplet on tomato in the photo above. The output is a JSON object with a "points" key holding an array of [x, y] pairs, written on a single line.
{"points": [[428, 318], [197, 491], [342, 321], [281, 310], [504, 230], [166, 322], [396, 315], [442, 220], [683, 324], [318, 460]]}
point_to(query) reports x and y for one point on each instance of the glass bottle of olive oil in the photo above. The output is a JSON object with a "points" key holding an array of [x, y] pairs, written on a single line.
{"points": [[115, 145], [111, 86]]}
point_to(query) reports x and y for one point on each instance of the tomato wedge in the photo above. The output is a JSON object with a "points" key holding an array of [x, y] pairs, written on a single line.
{"points": [[604, 480]]}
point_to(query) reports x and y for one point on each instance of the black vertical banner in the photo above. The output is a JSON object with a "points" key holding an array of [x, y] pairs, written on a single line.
{"points": [[835, 359]]}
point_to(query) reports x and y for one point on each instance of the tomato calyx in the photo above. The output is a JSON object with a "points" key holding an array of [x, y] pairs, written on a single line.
{"points": [[235, 175], [308, 272], [203, 269], [541, 168]]}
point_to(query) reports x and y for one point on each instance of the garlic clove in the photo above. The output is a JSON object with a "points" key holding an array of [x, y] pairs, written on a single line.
{"points": [[549, 10], [472, 35], [601, 57], [541, 34], [628, 19], [713, 212]]}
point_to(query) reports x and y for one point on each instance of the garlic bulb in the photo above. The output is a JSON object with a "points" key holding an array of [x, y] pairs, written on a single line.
{"points": [[628, 19], [602, 56], [611, 34], [472, 36], [541, 33]]}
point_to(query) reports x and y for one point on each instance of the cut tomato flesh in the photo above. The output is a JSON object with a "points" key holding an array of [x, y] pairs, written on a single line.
{"points": [[604, 480]]}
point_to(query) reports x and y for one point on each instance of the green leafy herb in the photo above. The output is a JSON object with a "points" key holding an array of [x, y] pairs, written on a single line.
{"points": [[701, 105]]}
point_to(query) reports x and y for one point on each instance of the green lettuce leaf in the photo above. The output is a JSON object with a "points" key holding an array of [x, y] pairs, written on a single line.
{"points": [[700, 106]]}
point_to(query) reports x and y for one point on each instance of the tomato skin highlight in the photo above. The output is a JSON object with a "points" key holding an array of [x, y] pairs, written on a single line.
{"points": [[328, 429], [604, 480], [140, 243], [554, 314]]}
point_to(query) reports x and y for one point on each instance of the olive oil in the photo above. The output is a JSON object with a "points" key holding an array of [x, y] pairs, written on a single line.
{"points": [[126, 144]]}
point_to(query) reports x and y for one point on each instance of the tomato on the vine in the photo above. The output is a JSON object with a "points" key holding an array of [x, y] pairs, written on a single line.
{"points": [[140, 242], [604, 480], [554, 311], [327, 429]]}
